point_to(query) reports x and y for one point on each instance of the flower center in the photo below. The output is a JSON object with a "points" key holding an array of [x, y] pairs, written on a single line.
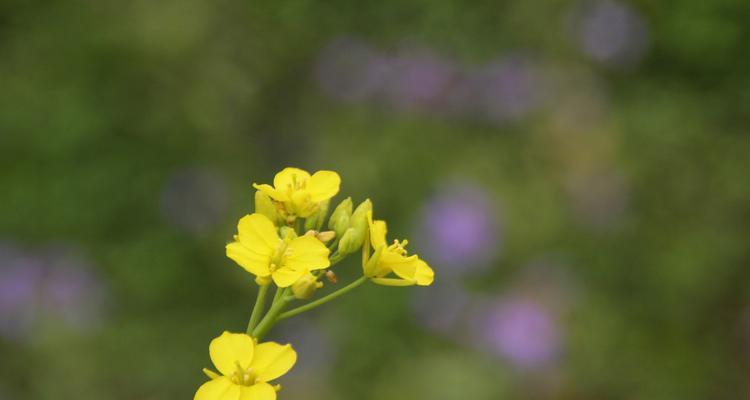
{"points": [[244, 376], [399, 247], [297, 184], [277, 260]]}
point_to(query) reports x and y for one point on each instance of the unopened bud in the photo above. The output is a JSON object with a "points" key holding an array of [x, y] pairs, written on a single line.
{"points": [[306, 286], [350, 242], [264, 205], [326, 236], [315, 221], [341, 216], [357, 230], [331, 276]]}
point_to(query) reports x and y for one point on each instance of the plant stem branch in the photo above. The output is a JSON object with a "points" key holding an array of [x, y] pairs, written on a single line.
{"points": [[323, 300], [260, 303], [271, 317]]}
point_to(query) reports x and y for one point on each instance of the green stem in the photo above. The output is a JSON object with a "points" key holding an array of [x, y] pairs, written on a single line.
{"points": [[260, 303], [336, 257], [271, 317], [277, 295], [323, 300]]}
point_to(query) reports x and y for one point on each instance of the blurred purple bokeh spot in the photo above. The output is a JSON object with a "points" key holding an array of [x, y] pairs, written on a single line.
{"points": [[510, 89], [418, 79], [459, 230], [521, 330], [56, 284], [194, 199], [610, 32]]}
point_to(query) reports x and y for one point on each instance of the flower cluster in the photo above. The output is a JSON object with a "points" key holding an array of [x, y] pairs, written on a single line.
{"points": [[283, 245]]}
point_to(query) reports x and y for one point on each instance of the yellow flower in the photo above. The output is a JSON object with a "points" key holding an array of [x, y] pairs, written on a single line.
{"points": [[411, 270], [245, 367], [259, 250], [300, 193]]}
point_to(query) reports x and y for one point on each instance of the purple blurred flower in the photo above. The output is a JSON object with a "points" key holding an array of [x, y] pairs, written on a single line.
{"points": [[521, 330], [510, 89], [458, 230], [194, 199], [57, 284], [610, 32], [71, 290], [19, 280], [349, 70], [418, 79]]}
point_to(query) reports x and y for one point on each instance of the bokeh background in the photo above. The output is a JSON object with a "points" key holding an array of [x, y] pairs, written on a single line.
{"points": [[575, 171]]}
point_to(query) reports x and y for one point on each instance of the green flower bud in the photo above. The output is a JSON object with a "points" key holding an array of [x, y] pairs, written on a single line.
{"points": [[350, 242], [315, 221], [306, 286], [341, 216], [264, 205], [359, 223]]}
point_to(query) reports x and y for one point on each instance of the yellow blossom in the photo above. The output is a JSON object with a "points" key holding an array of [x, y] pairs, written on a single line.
{"points": [[410, 270], [245, 368], [300, 193], [259, 250]]}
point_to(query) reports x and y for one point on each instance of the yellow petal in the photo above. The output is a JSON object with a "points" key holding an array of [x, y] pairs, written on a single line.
{"points": [[218, 389], [271, 192], [404, 267], [289, 179], [307, 253], [230, 348], [378, 230], [257, 233], [259, 391], [249, 260], [285, 276], [392, 282], [323, 185], [424, 275], [273, 360]]}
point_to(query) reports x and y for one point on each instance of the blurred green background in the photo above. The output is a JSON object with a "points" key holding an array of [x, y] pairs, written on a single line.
{"points": [[575, 172]]}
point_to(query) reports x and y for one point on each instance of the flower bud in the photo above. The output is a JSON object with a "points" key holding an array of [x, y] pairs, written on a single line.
{"points": [[264, 205], [306, 286], [341, 216], [325, 236], [359, 217], [352, 239], [315, 221], [331, 276], [349, 242]]}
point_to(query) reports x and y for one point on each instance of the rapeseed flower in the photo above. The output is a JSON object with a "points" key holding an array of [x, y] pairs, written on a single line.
{"points": [[410, 270], [300, 193], [245, 368], [259, 250]]}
